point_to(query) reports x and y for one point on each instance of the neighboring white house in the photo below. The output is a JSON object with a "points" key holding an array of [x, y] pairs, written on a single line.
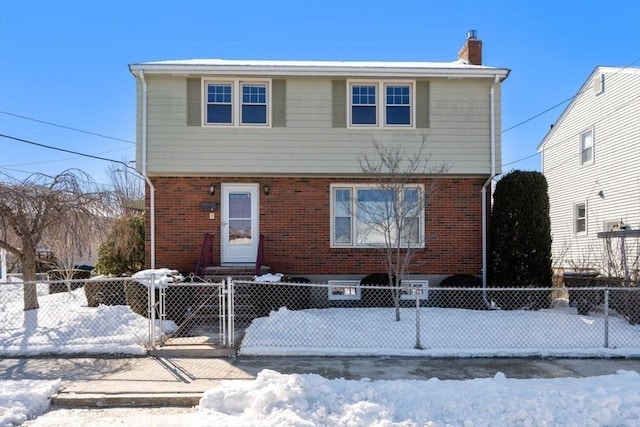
{"points": [[591, 159]]}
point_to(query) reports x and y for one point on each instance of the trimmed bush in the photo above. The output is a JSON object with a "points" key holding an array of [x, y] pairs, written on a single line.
{"points": [[122, 253], [267, 297], [520, 241], [377, 297], [471, 300]]}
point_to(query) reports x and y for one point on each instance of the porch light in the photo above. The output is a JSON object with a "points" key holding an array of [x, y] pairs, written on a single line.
{"points": [[212, 189], [265, 189]]}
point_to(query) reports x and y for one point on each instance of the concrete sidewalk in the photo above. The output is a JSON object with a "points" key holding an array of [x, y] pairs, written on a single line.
{"points": [[181, 381]]}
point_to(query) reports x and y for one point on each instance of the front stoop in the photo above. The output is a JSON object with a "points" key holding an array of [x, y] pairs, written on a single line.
{"points": [[237, 272]]}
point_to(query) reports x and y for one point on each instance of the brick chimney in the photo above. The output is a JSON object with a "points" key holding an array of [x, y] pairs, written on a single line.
{"points": [[471, 51]]}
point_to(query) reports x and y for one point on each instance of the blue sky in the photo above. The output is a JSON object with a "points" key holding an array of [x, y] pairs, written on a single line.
{"points": [[65, 62]]}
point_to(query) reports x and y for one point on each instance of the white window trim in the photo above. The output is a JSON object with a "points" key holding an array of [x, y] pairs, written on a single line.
{"points": [[346, 284], [422, 284], [593, 147], [381, 103], [353, 211], [236, 102], [575, 219]]}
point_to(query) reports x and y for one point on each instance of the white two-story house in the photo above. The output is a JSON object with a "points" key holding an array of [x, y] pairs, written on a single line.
{"points": [[265, 154], [591, 159]]}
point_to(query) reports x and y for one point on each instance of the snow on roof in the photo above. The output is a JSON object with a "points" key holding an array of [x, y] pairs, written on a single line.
{"points": [[318, 67]]}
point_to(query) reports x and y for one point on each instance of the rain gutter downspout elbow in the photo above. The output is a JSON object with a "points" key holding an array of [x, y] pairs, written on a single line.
{"points": [[152, 189], [492, 132]]}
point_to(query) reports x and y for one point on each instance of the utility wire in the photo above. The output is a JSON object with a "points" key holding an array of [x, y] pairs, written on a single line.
{"points": [[67, 127], [64, 150]]}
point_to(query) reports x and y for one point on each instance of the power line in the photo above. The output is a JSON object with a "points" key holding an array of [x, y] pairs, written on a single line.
{"points": [[63, 150], [67, 127]]}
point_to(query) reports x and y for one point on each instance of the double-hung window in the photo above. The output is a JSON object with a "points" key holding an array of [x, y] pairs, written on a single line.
{"points": [[254, 103], [219, 105], [237, 103], [580, 218], [368, 215], [381, 104], [586, 147]]}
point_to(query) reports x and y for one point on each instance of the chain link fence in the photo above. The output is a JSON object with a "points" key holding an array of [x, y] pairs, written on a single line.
{"points": [[347, 317], [340, 317], [101, 315]]}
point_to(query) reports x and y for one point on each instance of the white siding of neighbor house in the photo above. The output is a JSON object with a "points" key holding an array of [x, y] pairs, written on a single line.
{"points": [[458, 133], [614, 116]]}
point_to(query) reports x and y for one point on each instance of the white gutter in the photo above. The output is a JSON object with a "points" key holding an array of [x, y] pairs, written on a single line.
{"points": [[492, 133], [152, 189]]}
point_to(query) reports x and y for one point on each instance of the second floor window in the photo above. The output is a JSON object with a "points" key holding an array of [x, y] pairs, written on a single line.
{"points": [[586, 148], [381, 104], [254, 104], [237, 103], [219, 106]]}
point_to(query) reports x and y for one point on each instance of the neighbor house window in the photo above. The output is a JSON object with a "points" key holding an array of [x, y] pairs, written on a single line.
{"points": [[580, 218], [344, 290], [381, 104], [366, 215], [586, 147], [237, 103]]}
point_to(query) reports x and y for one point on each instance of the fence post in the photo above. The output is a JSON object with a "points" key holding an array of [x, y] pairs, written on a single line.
{"points": [[417, 292], [231, 312], [222, 317], [152, 315], [606, 318]]}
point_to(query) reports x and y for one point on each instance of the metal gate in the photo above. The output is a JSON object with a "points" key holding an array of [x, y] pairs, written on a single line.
{"points": [[192, 313]]}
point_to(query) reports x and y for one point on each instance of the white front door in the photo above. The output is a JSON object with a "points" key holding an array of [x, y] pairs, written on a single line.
{"points": [[239, 233]]}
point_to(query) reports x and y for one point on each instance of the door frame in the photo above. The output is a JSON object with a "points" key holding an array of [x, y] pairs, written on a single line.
{"points": [[243, 254]]}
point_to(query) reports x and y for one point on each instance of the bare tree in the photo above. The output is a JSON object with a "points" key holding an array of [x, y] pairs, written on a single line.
{"points": [[40, 210], [127, 196], [391, 213]]}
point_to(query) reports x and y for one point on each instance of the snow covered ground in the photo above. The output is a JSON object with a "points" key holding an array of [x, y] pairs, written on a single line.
{"points": [[309, 400], [274, 399]]}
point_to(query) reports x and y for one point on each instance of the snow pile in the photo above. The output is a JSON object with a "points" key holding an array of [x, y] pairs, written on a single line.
{"points": [[310, 400], [160, 277], [444, 333], [64, 323], [268, 278], [25, 399]]}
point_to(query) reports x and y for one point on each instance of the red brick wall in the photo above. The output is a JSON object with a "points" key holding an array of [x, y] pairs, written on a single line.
{"points": [[295, 220]]}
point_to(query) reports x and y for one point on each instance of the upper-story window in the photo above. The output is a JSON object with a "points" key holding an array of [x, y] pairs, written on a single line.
{"points": [[393, 108], [586, 147], [219, 105], [237, 103], [254, 103]]}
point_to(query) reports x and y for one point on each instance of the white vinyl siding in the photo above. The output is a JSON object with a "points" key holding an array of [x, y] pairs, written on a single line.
{"points": [[458, 132], [611, 186]]}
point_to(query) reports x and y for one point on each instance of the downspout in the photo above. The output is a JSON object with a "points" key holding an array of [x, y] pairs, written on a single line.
{"points": [[152, 189], [492, 133]]}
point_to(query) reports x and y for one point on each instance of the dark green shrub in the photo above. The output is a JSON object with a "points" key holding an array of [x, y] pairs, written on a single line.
{"points": [[467, 299], [267, 297], [122, 253], [377, 297], [520, 241]]}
